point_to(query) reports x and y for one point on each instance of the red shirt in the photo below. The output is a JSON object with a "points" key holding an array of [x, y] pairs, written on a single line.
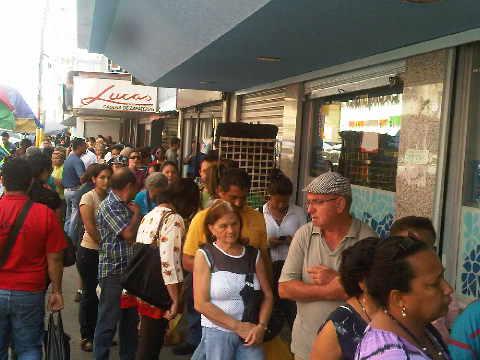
{"points": [[26, 266]]}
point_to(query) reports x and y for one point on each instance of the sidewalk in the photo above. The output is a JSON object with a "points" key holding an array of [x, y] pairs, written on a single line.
{"points": [[70, 322]]}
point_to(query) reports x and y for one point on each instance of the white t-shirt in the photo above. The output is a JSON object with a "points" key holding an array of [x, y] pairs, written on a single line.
{"points": [[292, 221], [88, 158]]}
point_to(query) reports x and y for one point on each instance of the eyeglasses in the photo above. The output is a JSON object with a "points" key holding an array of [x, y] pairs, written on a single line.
{"points": [[319, 201]]}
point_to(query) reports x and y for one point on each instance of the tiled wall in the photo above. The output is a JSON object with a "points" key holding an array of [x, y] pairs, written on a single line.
{"points": [[374, 207]]}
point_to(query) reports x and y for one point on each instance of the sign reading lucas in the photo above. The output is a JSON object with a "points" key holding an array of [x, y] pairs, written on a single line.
{"points": [[113, 95]]}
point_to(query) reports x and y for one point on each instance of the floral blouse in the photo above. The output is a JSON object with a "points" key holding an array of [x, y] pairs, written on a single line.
{"points": [[170, 241]]}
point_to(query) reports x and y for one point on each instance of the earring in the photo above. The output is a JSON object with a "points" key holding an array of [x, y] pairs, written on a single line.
{"points": [[404, 312]]}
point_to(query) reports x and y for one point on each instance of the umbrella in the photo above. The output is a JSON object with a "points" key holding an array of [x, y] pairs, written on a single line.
{"points": [[12, 100]]}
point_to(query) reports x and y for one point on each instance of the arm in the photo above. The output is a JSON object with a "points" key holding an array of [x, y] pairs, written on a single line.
{"points": [[256, 334], [201, 289], [55, 273], [326, 339], [129, 232], [195, 237], [187, 262], [88, 219], [298, 290]]}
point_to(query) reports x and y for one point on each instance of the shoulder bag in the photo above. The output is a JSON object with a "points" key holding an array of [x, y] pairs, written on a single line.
{"points": [[12, 236], [143, 277]]}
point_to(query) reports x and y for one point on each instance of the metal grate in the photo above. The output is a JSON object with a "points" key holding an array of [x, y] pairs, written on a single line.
{"points": [[257, 157]]}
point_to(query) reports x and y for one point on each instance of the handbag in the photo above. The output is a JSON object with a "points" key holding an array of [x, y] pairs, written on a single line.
{"points": [[143, 277], [252, 301], [69, 256], [57, 343], [13, 234]]}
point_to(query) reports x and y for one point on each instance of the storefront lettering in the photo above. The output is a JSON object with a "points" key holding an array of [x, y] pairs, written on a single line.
{"points": [[108, 96]]}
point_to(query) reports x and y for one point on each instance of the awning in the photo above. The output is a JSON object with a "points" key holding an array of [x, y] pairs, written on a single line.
{"points": [[231, 45]]}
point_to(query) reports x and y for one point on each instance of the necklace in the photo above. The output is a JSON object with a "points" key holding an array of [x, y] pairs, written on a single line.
{"points": [[363, 308], [422, 347]]}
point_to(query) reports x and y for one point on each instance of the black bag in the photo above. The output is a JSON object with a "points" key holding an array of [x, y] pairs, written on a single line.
{"points": [[69, 257], [13, 234], [57, 343], [143, 276]]}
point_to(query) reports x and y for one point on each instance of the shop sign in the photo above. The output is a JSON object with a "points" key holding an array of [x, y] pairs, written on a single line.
{"points": [[113, 95]]}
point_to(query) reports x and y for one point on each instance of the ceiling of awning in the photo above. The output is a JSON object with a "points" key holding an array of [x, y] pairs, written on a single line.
{"points": [[214, 44]]}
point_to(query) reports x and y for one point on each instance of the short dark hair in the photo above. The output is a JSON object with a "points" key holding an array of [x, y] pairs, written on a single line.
{"points": [[211, 156], [234, 177], [39, 163], [5, 134], [184, 196], [355, 265], [77, 142], [175, 141], [17, 175], [413, 222], [169, 163], [391, 269], [25, 143], [122, 178], [118, 147], [279, 184]]}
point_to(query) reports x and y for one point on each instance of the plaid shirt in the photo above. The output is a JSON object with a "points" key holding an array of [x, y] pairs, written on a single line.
{"points": [[112, 217]]}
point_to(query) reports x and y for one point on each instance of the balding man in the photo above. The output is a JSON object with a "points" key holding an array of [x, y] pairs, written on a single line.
{"points": [[118, 219], [309, 275]]}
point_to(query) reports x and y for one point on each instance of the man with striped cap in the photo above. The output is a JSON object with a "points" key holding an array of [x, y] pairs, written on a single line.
{"points": [[310, 275]]}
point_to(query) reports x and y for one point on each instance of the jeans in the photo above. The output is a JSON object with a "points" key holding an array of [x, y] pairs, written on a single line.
{"points": [[87, 265], [194, 324], [72, 216], [222, 345], [151, 337], [21, 323], [109, 314]]}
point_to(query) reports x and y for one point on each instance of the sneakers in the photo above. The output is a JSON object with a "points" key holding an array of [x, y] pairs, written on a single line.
{"points": [[184, 349], [78, 296], [86, 345]]}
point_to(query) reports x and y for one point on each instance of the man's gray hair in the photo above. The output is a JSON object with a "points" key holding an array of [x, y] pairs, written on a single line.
{"points": [[32, 150], [156, 180]]}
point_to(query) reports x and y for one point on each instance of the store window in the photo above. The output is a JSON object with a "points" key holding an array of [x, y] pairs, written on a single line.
{"points": [[358, 135]]}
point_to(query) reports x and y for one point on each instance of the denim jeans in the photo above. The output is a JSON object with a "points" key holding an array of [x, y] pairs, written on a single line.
{"points": [[87, 265], [222, 345], [21, 323], [72, 217], [109, 314]]}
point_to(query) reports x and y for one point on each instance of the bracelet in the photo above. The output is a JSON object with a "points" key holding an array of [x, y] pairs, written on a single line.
{"points": [[265, 327]]}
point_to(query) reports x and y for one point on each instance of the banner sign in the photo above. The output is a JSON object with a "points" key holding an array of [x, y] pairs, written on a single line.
{"points": [[113, 95]]}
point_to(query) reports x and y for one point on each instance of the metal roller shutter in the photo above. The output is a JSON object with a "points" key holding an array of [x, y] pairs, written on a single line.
{"points": [[264, 107], [170, 126]]}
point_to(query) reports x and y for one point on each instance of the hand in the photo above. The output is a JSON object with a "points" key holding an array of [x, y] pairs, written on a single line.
{"points": [[134, 208], [243, 329], [274, 242], [321, 275], [55, 301], [255, 336], [172, 312]]}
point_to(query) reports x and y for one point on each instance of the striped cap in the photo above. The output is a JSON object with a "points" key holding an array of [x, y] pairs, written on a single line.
{"points": [[330, 183]]}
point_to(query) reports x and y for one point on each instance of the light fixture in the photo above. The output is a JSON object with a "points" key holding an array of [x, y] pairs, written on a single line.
{"points": [[268, 58]]}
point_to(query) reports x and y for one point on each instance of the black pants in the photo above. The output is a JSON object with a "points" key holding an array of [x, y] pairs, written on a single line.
{"points": [[151, 337], [288, 307], [87, 264]]}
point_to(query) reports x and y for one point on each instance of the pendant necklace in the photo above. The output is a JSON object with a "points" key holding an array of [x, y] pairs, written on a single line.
{"points": [[422, 347]]}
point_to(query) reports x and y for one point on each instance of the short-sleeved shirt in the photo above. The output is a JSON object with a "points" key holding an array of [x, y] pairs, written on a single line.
{"points": [[41, 234], [253, 229], [57, 174], [464, 342], [73, 169], [89, 158], [144, 202], [291, 222], [113, 217], [308, 249], [91, 199]]}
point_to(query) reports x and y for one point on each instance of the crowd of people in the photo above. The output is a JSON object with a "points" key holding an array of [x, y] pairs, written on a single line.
{"points": [[238, 275]]}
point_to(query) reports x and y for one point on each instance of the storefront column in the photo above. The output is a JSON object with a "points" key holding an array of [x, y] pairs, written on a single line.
{"points": [[419, 148], [291, 131]]}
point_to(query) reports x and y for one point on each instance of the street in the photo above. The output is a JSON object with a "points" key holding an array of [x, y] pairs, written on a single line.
{"points": [[71, 327]]}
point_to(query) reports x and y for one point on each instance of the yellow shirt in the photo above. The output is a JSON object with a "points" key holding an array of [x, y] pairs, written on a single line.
{"points": [[253, 229]]}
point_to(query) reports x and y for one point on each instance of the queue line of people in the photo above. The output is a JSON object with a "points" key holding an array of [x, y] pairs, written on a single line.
{"points": [[344, 293]]}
